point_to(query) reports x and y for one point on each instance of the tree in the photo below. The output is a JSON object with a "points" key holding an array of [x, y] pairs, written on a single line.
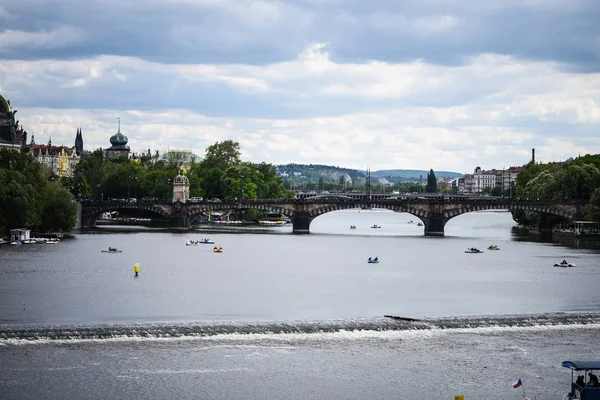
{"points": [[321, 183], [28, 199], [59, 210], [222, 155], [431, 186]]}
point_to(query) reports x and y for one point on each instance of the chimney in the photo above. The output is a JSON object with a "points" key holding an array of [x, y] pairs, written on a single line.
{"points": [[533, 156]]}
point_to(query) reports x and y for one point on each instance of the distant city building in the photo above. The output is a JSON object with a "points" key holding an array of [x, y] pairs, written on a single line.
{"points": [[11, 134], [118, 146], [479, 180], [61, 160]]}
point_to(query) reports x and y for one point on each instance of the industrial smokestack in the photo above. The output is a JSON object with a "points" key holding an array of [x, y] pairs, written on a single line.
{"points": [[533, 156]]}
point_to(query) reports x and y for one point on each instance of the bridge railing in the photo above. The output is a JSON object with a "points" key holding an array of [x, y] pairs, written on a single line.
{"points": [[357, 201]]}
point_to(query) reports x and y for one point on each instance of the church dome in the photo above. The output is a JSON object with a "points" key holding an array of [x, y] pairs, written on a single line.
{"points": [[118, 139], [181, 179]]}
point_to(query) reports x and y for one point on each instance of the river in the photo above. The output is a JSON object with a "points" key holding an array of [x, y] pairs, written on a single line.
{"points": [[278, 315]]}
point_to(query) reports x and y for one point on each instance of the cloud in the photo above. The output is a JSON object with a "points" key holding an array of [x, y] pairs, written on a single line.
{"points": [[441, 84], [263, 32], [11, 40]]}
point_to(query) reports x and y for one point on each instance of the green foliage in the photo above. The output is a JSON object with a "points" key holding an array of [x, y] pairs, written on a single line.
{"points": [[28, 199], [59, 209], [222, 155], [578, 179], [594, 205], [431, 186]]}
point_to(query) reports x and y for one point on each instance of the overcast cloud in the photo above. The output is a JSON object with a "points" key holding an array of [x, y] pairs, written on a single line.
{"points": [[442, 84]]}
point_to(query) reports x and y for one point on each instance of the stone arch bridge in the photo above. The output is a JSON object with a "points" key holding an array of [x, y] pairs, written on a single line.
{"points": [[434, 211]]}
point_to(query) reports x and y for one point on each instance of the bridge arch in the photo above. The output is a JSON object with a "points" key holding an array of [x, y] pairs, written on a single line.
{"points": [[546, 209], [89, 215], [195, 211], [422, 214]]}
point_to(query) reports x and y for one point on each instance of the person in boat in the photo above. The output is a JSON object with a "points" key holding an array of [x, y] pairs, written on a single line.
{"points": [[376, 259], [564, 262], [370, 259], [593, 381], [580, 381]]}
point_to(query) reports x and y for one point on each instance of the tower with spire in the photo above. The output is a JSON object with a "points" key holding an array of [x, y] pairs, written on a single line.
{"points": [[118, 146], [78, 142]]}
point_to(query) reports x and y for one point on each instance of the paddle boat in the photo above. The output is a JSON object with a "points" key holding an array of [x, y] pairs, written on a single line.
{"points": [[586, 386], [218, 249], [373, 260], [473, 250], [352, 226], [189, 242], [564, 264], [111, 250], [493, 247], [376, 226], [420, 224]]}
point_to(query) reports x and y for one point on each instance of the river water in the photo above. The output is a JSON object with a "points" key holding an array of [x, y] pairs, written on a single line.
{"points": [[285, 316]]}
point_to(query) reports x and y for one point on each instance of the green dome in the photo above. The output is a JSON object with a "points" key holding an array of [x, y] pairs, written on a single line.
{"points": [[118, 139]]}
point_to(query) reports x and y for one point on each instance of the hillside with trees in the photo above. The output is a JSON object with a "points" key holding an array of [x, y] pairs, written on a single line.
{"points": [[326, 177]]}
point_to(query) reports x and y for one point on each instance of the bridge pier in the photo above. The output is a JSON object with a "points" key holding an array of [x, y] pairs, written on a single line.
{"points": [[301, 222], [180, 221], [434, 225]]}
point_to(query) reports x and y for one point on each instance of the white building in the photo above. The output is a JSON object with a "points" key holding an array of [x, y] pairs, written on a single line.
{"points": [[480, 180]]}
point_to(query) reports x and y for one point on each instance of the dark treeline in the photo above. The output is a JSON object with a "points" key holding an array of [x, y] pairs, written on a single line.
{"points": [[31, 198], [221, 174], [575, 179]]}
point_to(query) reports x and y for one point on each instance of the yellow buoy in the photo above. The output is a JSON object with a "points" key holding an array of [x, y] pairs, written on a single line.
{"points": [[136, 269]]}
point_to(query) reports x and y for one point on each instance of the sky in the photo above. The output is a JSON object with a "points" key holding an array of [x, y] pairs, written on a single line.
{"points": [[385, 84]]}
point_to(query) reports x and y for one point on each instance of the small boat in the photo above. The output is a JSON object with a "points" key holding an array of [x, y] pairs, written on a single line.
{"points": [[586, 386], [473, 250], [15, 243], [352, 227], [206, 241], [376, 226], [564, 264], [218, 249], [191, 242], [29, 241], [493, 247], [420, 224], [373, 260], [53, 241], [111, 251]]}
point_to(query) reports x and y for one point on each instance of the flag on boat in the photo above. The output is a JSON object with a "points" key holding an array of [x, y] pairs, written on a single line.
{"points": [[517, 383]]}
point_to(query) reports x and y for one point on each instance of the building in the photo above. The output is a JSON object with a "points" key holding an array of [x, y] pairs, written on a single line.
{"points": [[12, 135], [181, 189], [480, 180], [61, 160], [118, 146]]}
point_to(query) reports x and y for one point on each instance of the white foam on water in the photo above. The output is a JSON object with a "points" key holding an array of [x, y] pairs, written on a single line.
{"points": [[341, 335]]}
